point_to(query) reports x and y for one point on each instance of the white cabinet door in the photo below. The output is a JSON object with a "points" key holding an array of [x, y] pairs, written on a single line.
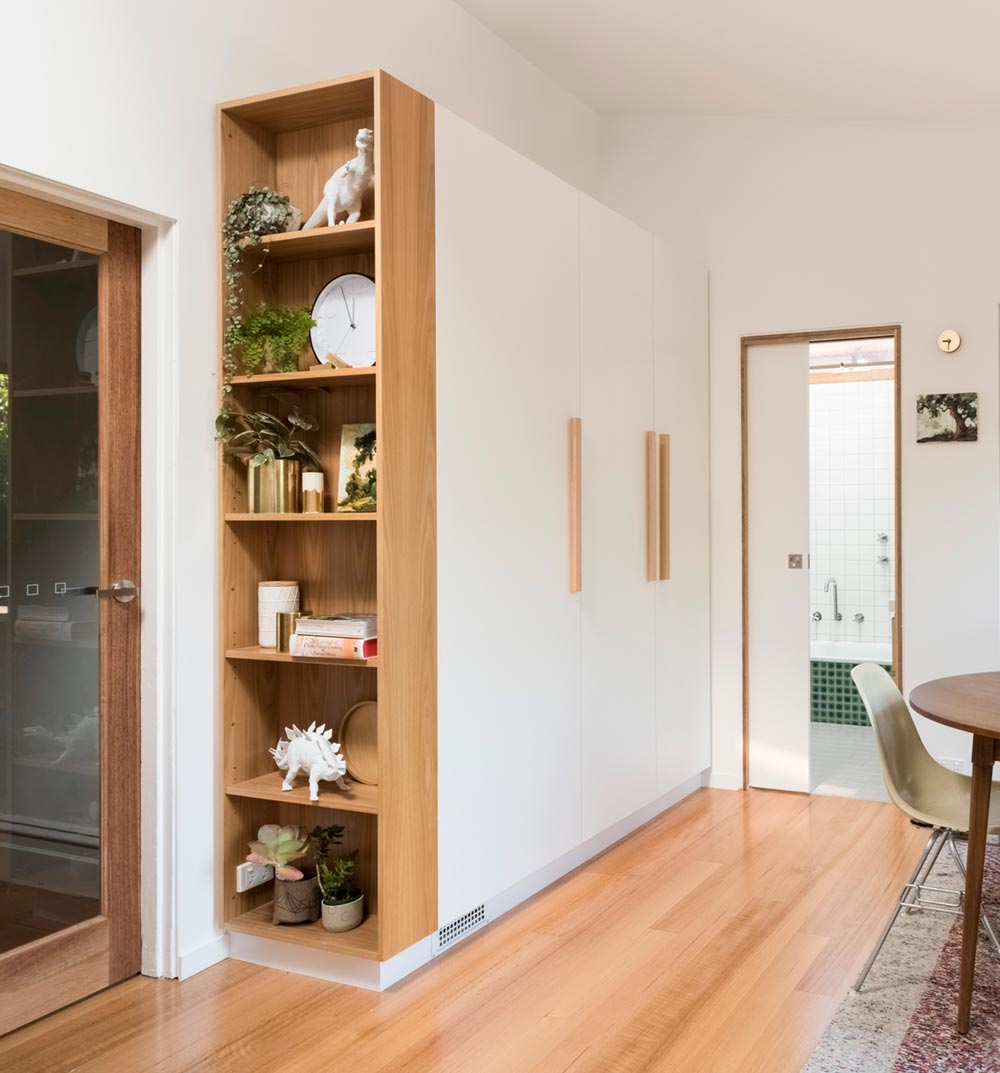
{"points": [[616, 346], [778, 597], [680, 338], [509, 630]]}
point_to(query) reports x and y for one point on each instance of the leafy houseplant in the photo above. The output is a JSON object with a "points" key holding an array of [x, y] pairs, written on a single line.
{"points": [[296, 895], [275, 453], [249, 217], [273, 338], [343, 901]]}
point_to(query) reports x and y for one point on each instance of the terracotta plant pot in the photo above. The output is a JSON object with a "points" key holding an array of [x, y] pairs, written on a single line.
{"points": [[344, 915], [296, 901]]}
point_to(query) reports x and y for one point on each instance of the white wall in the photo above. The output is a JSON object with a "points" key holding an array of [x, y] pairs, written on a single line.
{"points": [[122, 104], [830, 224], [851, 501]]}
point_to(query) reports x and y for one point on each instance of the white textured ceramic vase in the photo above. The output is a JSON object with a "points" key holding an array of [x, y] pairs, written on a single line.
{"points": [[274, 597]]}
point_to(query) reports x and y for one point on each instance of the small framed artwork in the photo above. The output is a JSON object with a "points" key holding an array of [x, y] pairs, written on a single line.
{"points": [[356, 480], [948, 418]]}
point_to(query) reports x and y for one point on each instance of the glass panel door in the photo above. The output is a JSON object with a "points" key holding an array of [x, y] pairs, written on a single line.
{"points": [[50, 854]]}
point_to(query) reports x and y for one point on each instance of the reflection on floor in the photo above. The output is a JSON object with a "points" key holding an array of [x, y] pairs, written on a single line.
{"points": [[845, 762], [27, 913]]}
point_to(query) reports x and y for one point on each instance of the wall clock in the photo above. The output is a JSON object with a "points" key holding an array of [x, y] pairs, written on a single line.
{"points": [[344, 312], [949, 340]]}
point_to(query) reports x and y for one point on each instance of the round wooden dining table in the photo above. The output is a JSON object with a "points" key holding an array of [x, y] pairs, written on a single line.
{"points": [[969, 702]]}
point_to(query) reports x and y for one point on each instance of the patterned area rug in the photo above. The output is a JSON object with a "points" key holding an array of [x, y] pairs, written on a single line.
{"points": [[904, 1020]]}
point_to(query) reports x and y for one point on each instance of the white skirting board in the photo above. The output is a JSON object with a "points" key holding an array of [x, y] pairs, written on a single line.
{"points": [[379, 975], [201, 958]]}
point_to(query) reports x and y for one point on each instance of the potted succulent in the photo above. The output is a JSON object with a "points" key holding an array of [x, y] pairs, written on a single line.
{"points": [[271, 339], [343, 901], [296, 895], [275, 453]]}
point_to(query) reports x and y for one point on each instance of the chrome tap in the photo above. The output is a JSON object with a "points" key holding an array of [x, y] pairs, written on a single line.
{"points": [[858, 617], [837, 616], [817, 616]]}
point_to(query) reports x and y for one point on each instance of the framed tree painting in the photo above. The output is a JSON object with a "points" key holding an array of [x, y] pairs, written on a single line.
{"points": [[948, 418], [356, 479]]}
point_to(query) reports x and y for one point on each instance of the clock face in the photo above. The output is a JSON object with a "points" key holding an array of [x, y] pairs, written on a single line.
{"points": [[345, 322], [949, 340]]}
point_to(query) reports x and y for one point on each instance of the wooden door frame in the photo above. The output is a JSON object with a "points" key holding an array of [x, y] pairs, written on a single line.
{"points": [[826, 335], [62, 967]]}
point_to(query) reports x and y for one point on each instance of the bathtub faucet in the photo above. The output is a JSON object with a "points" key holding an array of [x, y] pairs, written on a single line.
{"points": [[837, 616]]}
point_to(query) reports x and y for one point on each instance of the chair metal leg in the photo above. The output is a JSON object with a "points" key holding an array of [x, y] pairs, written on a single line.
{"points": [[925, 873], [933, 843], [961, 867]]}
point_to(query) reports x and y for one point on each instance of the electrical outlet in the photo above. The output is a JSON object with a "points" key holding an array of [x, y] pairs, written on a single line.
{"points": [[250, 875]]}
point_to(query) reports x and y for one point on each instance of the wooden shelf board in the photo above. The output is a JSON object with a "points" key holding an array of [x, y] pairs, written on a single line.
{"points": [[271, 655], [333, 101], [54, 392], [322, 376], [362, 942], [54, 517], [328, 517], [44, 270], [317, 242], [360, 798]]}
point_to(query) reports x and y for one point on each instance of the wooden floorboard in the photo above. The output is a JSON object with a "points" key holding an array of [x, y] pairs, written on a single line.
{"points": [[721, 936]]}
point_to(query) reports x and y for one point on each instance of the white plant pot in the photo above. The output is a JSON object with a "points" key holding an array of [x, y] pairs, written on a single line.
{"points": [[344, 917]]}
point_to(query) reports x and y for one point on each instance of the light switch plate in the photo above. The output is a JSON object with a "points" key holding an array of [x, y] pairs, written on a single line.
{"points": [[794, 562]]}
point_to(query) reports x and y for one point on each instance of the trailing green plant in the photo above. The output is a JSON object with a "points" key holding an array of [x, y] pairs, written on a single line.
{"points": [[273, 337], [279, 846], [259, 437], [249, 217], [336, 878]]}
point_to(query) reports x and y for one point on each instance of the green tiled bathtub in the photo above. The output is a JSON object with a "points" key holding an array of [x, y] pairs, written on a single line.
{"points": [[834, 697]]}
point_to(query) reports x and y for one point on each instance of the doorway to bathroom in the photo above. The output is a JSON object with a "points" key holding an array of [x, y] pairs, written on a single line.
{"points": [[821, 553]]}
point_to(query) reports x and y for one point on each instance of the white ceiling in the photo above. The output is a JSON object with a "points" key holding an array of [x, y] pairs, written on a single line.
{"points": [[912, 60]]}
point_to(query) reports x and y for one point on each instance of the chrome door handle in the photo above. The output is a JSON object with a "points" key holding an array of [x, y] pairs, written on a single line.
{"points": [[123, 591]]}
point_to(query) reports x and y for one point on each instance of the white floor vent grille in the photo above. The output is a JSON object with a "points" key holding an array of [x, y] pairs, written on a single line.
{"points": [[459, 928]]}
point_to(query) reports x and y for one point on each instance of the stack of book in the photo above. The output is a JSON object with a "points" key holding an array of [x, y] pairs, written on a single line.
{"points": [[336, 637], [51, 622]]}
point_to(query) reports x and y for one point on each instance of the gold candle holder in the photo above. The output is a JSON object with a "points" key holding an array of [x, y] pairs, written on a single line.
{"points": [[312, 493], [284, 624]]}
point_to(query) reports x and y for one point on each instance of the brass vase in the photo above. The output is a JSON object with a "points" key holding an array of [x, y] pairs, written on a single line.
{"points": [[274, 487]]}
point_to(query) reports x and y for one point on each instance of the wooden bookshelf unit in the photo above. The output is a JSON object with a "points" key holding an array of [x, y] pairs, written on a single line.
{"points": [[292, 141]]}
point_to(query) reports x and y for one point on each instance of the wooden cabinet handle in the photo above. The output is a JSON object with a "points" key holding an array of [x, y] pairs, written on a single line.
{"points": [[575, 505], [651, 574], [664, 508]]}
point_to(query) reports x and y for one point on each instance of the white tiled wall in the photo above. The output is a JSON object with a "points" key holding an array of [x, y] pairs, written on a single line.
{"points": [[852, 500]]}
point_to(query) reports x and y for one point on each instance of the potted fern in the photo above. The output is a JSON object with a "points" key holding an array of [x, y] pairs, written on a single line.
{"points": [[343, 903], [275, 454], [296, 895], [271, 339]]}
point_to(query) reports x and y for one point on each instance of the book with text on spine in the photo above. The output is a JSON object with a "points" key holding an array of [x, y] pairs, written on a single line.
{"points": [[333, 647], [362, 626]]}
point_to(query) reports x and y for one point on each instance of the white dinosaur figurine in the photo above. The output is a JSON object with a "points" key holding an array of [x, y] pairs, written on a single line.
{"points": [[314, 751], [346, 186]]}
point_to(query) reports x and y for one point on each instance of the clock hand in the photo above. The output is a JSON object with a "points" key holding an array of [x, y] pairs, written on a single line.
{"points": [[350, 315], [354, 303], [342, 341]]}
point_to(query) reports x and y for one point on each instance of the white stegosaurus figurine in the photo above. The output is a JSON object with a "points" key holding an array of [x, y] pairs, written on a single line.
{"points": [[313, 751]]}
